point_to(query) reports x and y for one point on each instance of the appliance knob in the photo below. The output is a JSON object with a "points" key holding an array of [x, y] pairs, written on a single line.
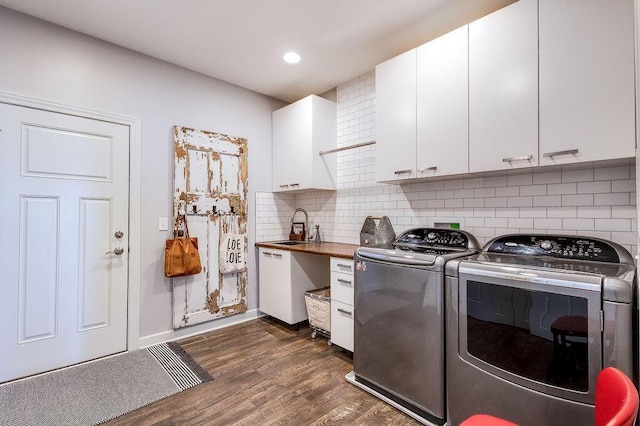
{"points": [[545, 245], [431, 235]]}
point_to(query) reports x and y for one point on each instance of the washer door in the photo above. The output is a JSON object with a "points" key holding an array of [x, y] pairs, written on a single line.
{"points": [[539, 329]]}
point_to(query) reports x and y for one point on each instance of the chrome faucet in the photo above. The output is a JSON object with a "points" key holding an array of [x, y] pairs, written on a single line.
{"points": [[306, 218]]}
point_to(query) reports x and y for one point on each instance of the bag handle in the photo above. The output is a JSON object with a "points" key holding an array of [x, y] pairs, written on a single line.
{"points": [[177, 225]]}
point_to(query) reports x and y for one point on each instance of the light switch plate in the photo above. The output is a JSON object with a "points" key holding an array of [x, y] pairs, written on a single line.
{"points": [[163, 224]]}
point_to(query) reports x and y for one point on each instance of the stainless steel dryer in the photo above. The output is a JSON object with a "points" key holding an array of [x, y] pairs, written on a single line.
{"points": [[399, 319], [531, 321]]}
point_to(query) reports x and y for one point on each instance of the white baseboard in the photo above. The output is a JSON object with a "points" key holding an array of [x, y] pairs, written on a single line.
{"points": [[182, 333]]}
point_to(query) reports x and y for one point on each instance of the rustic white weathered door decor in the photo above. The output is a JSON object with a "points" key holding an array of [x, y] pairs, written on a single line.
{"points": [[211, 187], [64, 185]]}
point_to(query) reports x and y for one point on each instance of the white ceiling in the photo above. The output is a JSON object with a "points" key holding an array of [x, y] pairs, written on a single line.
{"points": [[242, 41]]}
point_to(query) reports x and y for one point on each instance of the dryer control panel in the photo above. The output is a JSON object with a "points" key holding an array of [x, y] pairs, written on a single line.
{"points": [[559, 246]]}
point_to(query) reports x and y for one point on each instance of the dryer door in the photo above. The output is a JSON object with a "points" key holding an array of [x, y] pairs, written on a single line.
{"points": [[538, 329]]}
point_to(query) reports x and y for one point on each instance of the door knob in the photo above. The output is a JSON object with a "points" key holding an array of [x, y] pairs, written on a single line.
{"points": [[117, 251]]}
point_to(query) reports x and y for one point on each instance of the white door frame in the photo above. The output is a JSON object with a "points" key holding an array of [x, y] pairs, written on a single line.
{"points": [[133, 294]]}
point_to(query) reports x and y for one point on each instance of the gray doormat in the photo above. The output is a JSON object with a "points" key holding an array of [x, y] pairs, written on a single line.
{"points": [[95, 392]]}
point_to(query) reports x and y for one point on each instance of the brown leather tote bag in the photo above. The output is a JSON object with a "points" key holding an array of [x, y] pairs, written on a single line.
{"points": [[181, 255]]}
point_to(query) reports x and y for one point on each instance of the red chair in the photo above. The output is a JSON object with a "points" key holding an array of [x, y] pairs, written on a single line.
{"points": [[616, 399], [616, 403]]}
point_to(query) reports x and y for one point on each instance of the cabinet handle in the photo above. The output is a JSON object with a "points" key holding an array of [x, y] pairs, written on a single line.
{"points": [[342, 265], [278, 255], [428, 169], [340, 280], [295, 184], [558, 153], [520, 158], [284, 186], [345, 312], [402, 172]]}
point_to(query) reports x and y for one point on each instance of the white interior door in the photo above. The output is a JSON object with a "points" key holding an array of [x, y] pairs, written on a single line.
{"points": [[64, 189]]}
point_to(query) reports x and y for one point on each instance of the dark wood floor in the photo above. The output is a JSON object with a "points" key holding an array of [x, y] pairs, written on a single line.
{"points": [[265, 373]]}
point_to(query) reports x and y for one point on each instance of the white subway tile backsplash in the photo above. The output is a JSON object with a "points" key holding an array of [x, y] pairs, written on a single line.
{"points": [[541, 178], [562, 212], [613, 199], [507, 212], [561, 189], [520, 202], [578, 224], [496, 222], [577, 200], [591, 200], [627, 185], [519, 223], [485, 193], [600, 212], [535, 190], [581, 175], [619, 225], [594, 187], [519, 180], [613, 173], [496, 202], [627, 212], [547, 201], [545, 223]]}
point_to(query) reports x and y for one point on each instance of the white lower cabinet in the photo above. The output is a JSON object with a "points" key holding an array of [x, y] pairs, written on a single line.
{"points": [[342, 325], [284, 276], [342, 302]]}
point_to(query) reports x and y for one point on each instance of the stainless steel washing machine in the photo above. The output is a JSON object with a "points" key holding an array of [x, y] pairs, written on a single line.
{"points": [[399, 319], [531, 321]]}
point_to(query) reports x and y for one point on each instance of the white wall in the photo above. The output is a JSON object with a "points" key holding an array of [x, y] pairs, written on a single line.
{"points": [[49, 63], [592, 200]]}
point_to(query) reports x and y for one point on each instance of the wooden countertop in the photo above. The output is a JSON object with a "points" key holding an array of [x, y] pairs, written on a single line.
{"points": [[342, 250]]}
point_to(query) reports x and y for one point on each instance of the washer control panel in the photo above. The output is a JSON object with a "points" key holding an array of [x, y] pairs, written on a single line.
{"points": [[433, 237], [564, 247]]}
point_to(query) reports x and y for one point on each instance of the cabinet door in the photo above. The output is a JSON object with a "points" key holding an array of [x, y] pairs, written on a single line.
{"points": [[443, 106], [503, 88], [275, 283], [292, 146], [342, 325], [586, 80], [396, 118]]}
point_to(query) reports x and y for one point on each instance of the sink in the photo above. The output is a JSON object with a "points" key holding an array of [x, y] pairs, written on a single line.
{"points": [[290, 243]]}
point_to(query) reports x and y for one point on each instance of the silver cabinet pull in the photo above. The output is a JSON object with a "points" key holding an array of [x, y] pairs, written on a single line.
{"points": [[428, 169], [267, 253], [520, 158], [403, 172], [278, 255], [558, 153], [117, 251], [284, 186], [342, 265], [295, 184], [345, 312], [340, 280]]}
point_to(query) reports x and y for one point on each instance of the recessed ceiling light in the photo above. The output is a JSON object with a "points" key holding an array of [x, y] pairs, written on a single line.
{"points": [[291, 58]]}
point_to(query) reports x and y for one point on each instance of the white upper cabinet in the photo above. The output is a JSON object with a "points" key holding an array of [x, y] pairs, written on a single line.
{"points": [[587, 105], [443, 105], [396, 118], [300, 131], [503, 88]]}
